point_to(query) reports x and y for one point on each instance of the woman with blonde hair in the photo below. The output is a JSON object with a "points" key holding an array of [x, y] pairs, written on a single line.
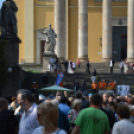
{"points": [[48, 119]]}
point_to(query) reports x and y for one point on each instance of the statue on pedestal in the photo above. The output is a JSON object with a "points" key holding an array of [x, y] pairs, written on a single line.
{"points": [[8, 21], [50, 36]]}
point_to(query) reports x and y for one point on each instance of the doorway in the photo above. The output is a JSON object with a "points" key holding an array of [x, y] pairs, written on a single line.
{"points": [[123, 47], [42, 42]]}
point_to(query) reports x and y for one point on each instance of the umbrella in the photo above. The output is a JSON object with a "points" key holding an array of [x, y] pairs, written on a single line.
{"points": [[55, 88]]}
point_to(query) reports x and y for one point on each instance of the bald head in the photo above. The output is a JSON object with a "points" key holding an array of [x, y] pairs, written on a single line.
{"points": [[3, 103]]}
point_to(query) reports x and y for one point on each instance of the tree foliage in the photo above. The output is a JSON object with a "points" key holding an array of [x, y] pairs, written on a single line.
{"points": [[3, 64]]}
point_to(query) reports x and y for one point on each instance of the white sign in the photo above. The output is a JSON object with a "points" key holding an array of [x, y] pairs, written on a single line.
{"points": [[123, 90]]}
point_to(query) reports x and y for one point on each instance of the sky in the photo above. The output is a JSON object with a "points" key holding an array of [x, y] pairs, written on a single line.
{"points": [[1, 1]]}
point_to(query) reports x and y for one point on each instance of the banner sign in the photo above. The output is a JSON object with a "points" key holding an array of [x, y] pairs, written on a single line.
{"points": [[59, 78], [123, 90]]}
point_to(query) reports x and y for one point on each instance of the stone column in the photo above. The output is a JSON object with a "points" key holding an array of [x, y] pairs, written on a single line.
{"points": [[107, 30], [130, 25], [60, 27], [83, 30], [38, 51]]}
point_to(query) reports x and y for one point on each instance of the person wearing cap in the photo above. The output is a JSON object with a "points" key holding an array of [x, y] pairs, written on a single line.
{"points": [[34, 88]]}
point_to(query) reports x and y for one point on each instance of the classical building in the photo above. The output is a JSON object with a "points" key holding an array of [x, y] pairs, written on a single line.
{"points": [[94, 29]]}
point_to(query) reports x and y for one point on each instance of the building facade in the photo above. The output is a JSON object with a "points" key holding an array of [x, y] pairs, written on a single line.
{"points": [[87, 29]]}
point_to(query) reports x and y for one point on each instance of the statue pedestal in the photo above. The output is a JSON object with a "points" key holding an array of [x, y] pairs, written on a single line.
{"points": [[46, 58], [12, 60]]}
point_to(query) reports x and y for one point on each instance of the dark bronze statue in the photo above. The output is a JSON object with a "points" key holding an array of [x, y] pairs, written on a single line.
{"points": [[8, 19]]}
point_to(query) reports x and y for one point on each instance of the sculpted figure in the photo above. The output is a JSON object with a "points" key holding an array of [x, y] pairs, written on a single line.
{"points": [[8, 18], [50, 39]]}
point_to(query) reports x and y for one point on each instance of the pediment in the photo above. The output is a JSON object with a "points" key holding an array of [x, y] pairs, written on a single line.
{"points": [[41, 30]]}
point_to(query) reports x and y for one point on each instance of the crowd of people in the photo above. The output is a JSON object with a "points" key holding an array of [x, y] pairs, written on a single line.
{"points": [[61, 113], [126, 67], [69, 65]]}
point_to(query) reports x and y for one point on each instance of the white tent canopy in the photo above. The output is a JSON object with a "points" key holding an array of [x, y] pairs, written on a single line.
{"points": [[55, 88]]}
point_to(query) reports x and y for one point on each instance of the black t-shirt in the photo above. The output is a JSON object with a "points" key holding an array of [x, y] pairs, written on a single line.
{"points": [[110, 115], [8, 122], [85, 104]]}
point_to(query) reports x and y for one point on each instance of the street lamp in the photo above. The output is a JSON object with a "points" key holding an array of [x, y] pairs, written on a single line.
{"points": [[100, 41]]}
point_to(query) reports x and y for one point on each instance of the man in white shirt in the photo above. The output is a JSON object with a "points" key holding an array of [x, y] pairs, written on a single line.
{"points": [[125, 125], [28, 120]]}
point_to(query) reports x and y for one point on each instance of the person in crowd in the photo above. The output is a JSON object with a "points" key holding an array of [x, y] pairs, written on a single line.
{"points": [[67, 85], [66, 66], [89, 96], [110, 114], [93, 78], [63, 105], [48, 119], [94, 87], [130, 100], [85, 103], [52, 63], [116, 102], [111, 106], [34, 88], [35, 98], [105, 97], [66, 94], [111, 65], [70, 66], [87, 68], [73, 113], [131, 107], [28, 120], [71, 99], [58, 96], [126, 68], [61, 84], [124, 126], [8, 122], [102, 86], [78, 63], [92, 120], [14, 105], [112, 85], [111, 98], [84, 87], [56, 62], [121, 65], [122, 98], [50, 98], [63, 122], [76, 86], [131, 67], [74, 66]]}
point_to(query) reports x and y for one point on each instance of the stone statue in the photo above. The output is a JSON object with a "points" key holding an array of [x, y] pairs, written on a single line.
{"points": [[50, 39], [8, 19]]}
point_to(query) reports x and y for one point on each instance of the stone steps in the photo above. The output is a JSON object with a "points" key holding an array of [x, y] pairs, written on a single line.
{"points": [[126, 79]]}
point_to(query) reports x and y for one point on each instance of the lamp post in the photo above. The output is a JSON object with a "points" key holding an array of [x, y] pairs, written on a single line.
{"points": [[100, 41]]}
